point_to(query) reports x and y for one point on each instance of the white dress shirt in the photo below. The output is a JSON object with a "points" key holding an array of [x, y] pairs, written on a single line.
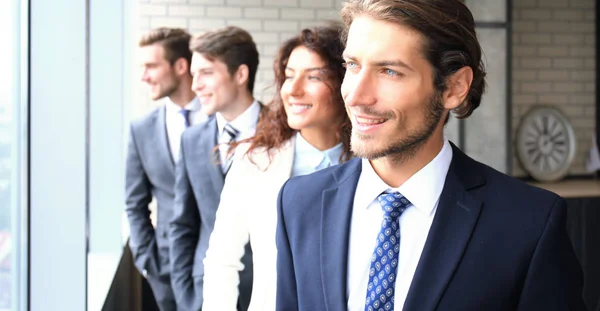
{"points": [[175, 122], [423, 190], [245, 123]]}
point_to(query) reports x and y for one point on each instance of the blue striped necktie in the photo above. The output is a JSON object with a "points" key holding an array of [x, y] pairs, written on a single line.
{"points": [[228, 136]]}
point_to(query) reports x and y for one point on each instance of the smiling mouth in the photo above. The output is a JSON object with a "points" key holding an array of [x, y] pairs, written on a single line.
{"points": [[299, 108], [369, 121], [203, 97]]}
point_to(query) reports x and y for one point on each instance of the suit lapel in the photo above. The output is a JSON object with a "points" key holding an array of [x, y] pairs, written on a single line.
{"points": [[336, 213], [208, 142], [453, 224], [163, 148]]}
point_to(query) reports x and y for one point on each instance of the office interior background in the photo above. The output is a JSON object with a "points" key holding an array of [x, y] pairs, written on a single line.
{"points": [[70, 85]]}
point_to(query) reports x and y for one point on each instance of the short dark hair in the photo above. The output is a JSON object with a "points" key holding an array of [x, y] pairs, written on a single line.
{"points": [[175, 42], [448, 29], [231, 45]]}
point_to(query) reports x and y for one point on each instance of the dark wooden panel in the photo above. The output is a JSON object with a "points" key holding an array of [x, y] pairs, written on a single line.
{"points": [[583, 227]]}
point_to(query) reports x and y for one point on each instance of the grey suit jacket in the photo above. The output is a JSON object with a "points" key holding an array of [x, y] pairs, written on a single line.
{"points": [[198, 186], [150, 171]]}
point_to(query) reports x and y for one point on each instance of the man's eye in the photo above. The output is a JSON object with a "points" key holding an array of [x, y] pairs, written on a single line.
{"points": [[349, 65], [391, 73]]}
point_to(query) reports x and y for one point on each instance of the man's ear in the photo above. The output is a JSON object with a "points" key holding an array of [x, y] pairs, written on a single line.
{"points": [[457, 87], [241, 74], [181, 66]]}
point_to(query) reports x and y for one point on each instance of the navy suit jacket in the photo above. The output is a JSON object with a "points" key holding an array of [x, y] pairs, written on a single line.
{"points": [[496, 243]]}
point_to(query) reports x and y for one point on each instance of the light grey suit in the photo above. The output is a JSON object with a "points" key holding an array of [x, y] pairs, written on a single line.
{"points": [[150, 172], [198, 186]]}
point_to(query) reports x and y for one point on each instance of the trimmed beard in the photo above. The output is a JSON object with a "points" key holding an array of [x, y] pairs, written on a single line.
{"points": [[170, 88], [404, 148]]}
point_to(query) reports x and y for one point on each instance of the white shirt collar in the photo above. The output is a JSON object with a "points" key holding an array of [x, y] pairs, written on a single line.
{"points": [[244, 123], [193, 106], [423, 189], [312, 156]]}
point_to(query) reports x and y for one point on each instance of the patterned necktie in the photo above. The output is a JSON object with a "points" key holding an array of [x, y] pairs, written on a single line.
{"points": [[186, 116], [384, 262], [229, 136]]}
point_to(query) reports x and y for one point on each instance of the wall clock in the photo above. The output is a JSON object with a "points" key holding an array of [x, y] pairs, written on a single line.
{"points": [[545, 144]]}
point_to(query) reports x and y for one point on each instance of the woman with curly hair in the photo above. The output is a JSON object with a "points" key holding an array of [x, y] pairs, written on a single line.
{"points": [[305, 129]]}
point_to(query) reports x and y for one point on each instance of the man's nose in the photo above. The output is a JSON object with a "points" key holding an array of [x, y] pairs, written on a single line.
{"points": [[360, 88]]}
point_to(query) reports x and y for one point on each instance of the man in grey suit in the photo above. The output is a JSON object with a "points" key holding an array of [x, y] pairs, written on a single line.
{"points": [[153, 149], [224, 64]]}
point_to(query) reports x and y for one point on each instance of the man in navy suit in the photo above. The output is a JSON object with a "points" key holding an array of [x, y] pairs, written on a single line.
{"points": [[413, 223]]}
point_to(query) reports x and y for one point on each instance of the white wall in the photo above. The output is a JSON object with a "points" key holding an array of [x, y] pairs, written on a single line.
{"points": [[269, 21]]}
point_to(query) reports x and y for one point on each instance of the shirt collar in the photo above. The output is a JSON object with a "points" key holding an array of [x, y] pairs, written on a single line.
{"points": [[244, 123], [315, 157], [192, 106], [423, 189]]}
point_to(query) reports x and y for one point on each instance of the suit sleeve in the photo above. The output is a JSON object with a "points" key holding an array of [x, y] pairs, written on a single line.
{"points": [[554, 280], [183, 235], [138, 194], [287, 296], [226, 248]]}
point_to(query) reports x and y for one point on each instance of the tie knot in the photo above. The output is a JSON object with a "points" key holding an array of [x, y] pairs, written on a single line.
{"points": [[393, 204], [231, 132]]}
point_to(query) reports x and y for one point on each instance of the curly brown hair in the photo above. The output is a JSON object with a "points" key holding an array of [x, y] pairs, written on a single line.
{"points": [[272, 129]]}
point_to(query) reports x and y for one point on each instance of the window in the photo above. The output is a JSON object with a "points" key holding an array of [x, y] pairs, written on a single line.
{"points": [[13, 155]]}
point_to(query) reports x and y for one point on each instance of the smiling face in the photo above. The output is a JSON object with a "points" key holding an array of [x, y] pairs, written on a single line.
{"points": [[388, 90], [306, 93], [158, 73], [212, 83]]}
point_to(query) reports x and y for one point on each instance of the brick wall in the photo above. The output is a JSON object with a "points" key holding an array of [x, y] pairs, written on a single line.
{"points": [[554, 64], [553, 52], [269, 21]]}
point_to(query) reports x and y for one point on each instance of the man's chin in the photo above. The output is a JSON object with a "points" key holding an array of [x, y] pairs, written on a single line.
{"points": [[157, 96], [208, 110], [364, 149], [370, 149]]}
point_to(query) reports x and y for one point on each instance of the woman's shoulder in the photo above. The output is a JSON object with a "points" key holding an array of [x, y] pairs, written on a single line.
{"points": [[259, 157], [241, 150]]}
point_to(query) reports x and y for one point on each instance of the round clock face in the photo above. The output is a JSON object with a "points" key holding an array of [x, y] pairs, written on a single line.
{"points": [[545, 144]]}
